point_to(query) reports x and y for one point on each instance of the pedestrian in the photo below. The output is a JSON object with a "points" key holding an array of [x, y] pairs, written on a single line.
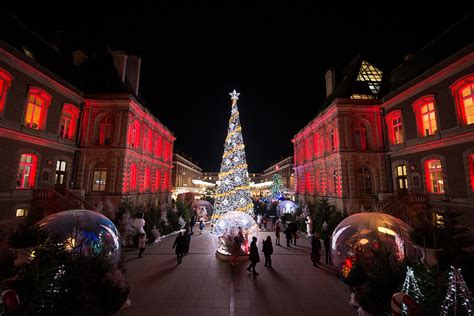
{"points": [[193, 221], [327, 243], [187, 241], [141, 244], [179, 246], [239, 239], [267, 250], [201, 225], [294, 231], [288, 235], [259, 221], [265, 221], [315, 248], [277, 234], [254, 257]]}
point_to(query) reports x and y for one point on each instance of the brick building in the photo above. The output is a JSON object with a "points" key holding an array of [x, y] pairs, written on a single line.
{"points": [[184, 172]]}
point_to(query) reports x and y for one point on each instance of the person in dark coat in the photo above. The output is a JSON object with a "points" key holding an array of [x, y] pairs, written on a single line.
{"points": [[315, 248], [267, 250], [193, 221], [277, 233], [254, 257], [187, 241], [294, 232], [327, 243], [288, 234], [179, 244]]}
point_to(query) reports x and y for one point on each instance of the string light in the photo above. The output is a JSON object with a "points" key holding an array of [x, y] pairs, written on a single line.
{"points": [[456, 288]]}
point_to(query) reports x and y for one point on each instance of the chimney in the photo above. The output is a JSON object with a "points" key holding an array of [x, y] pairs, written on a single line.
{"points": [[330, 77], [133, 72], [120, 63]]}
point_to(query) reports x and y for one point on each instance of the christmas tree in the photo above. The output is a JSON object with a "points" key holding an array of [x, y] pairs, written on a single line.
{"points": [[233, 190], [277, 186]]}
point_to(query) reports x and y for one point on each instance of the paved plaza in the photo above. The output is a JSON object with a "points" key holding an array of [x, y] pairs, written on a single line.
{"points": [[204, 285]]}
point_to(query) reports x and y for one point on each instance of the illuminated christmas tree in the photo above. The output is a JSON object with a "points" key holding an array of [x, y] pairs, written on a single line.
{"points": [[233, 190], [277, 186]]}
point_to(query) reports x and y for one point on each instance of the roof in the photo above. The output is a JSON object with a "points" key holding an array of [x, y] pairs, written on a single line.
{"points": [[36, 51], [446, 44]]}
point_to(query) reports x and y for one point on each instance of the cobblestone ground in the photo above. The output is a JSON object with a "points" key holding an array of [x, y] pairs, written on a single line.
{"points": [[204, 285]]}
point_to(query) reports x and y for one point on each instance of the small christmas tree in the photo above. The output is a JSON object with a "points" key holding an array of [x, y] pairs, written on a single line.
{"points": [[457, 297], [276, 186], [410, 286], [233, 190]]}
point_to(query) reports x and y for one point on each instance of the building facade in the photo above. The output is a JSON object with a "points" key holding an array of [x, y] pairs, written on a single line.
{"points": [[285, 168], [184, 176]]}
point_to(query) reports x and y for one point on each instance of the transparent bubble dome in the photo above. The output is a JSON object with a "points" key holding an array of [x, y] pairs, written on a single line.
{"points": [[226, 230]]}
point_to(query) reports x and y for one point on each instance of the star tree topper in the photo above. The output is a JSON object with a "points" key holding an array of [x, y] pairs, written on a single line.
{"points": [[234, 95]]}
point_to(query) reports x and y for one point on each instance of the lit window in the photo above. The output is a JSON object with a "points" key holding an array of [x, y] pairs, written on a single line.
{"points": [[308, 187], [360, 136], [434, 176], [146, 183], [401, 177], [307, 144], [99, 178], [133, 177], [158, 146], [38, 103], [395, 127], [21, 212], [157, 180], [134, 136], [5, 83], [364, 181], [426, 116], [26, 171], [165, 181], [316, 145], [463, 92], [105, 130], [68, 121], [148, 141], [372, 76]]}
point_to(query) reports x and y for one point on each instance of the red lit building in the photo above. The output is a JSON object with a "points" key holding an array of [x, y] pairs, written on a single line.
{"points": [[408, 137], [125, 151], [39, 122]]}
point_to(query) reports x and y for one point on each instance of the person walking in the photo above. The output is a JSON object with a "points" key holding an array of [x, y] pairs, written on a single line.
{"points": [[267, 249], [141, 244], [327, 243], [277, 234], [294, 232], [315, 248], [201, 225], [179, 246], [187, 241], [193, 221], [254, 257], [239, 240], [259, 221], [288, 235]]}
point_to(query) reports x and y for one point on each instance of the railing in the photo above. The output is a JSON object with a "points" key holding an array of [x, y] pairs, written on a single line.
{"points": [[397, 204], [78, 192], [83, 204], [51, 194]]}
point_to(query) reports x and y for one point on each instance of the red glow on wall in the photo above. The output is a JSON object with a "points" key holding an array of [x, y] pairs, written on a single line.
{"points": [[68, 123], [26, 171], [395, 127], [316, 145], [38, 102], [5, 83], [157, 180], [360, 136], [158, 146], [308, 147], [471, 170], [134, 134], [133, 177], [105, 130], [165, 181], [147, 180], [463, 93], [308, 186]]}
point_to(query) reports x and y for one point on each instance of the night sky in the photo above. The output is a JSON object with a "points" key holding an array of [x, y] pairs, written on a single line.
{"points": [[275, 56]]}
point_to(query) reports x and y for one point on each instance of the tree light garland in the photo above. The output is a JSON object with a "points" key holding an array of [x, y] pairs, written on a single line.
{"points": [[233, 190], [410, 286], [457, 287]]}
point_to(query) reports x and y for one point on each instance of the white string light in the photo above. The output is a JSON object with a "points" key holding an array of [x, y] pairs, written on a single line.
{"points": [[456, 288]]}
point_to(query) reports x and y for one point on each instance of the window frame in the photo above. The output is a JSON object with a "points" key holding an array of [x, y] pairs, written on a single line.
{"points": [[428, 172], [103, 124], [46, 98], [360, 126], [31, 172], [133, 177], [456, 91], [389, 119], [417, 107], [6, 79], [103, 174], [73, 111], [362, 182]]}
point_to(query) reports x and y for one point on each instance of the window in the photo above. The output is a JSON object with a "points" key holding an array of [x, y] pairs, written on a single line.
{"points": [[463, 92], [471, 170], [158, 146], [426, 116], [395, 127], [364, 182], [36, 108], [360, 136], [157, 180], [321, 183], [146, 183], [332, 140], [68, 124], [26, 172], [334, 182], [147, 142], [21, 212], [165, 181], [307, 145], [133, 177], [308, 188], [5, 83], [401, 177], [316, 145], [434, 176], [105, 130], [134, 136], [99, 178]]}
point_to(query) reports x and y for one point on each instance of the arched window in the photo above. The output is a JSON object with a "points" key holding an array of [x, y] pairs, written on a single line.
{"points": [[434, 176], [425, 111], [463, 92], [133, 177], [26, 174], [158, 145], [37, 108], [395, 127], [316, 144], [99, 178], [165, 181], [5, 83], [149, 141], [332, 140], [167, 151], [68, 124], [307, 145], [157, 180], [335, 182], [147, 180], [360, 136], [307, 177], [364, 181], [105, 130], [134, 135]]}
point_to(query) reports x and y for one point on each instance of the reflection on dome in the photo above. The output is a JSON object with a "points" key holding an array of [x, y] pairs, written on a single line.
{"points": [[286, 207], [357, 235], [86, 231], [226, 230], [203, 209]]}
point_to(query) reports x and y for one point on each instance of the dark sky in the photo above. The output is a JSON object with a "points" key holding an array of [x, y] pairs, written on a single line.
{"points": [[274, 55]]}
